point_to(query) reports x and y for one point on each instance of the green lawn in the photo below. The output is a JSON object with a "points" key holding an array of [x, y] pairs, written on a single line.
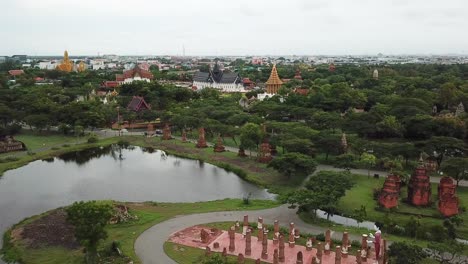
{"points": [[148, 214], [34, 141]]}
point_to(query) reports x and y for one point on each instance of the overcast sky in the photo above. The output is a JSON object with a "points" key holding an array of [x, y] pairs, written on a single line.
{"points": [[233, 27]]}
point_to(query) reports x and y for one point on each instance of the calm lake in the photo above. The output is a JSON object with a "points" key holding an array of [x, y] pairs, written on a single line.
{"points": [[114, 173]]}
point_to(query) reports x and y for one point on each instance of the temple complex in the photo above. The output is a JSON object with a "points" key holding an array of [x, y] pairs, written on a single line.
{"points": [[448, 200], [389, 195], [66, 65], [419, 187]]}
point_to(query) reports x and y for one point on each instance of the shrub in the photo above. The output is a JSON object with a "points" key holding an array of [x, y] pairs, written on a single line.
{"points": [[55, 148], [93, 139], [66, 145], [402, 253], [9, 159]]}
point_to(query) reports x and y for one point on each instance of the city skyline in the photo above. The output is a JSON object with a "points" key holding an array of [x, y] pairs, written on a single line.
{"points": [[297, 27]]}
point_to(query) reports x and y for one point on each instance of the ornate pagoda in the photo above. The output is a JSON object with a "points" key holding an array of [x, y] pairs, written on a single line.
{"points": [[388, 197], [66, 65], [448, 200], [274, 82], [419, 187]]}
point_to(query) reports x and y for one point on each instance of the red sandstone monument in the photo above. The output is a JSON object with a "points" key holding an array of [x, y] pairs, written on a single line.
{"points": [[184, 136], [167, 132], [419, 187], [264, 154], [388, 197], [201, 138], [219, 147], [448, 200]]}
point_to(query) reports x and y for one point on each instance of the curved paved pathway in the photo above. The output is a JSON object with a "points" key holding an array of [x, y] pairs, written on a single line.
{"points": [[149, 245]]}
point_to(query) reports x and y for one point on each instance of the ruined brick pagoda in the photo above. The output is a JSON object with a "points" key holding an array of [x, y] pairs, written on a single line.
{"points": [[448, 200], [167, 132], [201, 138], [419, 187], [219, 147], [388, 197]]}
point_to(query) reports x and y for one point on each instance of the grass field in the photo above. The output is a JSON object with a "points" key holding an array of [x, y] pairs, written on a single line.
{"points": [[34, 141], [148, 215]]}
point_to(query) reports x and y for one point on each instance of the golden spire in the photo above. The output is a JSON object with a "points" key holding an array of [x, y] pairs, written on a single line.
{"points": [[274, 82], [66, 65], [274, 78]]}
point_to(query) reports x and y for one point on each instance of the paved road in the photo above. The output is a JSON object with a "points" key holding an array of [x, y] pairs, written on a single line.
{"points": [[149, 245]]}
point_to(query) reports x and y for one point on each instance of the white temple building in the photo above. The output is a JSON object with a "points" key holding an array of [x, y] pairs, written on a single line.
{"points": [[228, 82]]}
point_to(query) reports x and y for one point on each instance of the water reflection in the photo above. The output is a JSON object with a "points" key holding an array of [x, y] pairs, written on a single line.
{"points": [[115, 173]]}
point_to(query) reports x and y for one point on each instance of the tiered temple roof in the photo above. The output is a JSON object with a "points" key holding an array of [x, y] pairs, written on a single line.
{"points": [[218, 76], [135, 72], [274, 82], [138, 104]]}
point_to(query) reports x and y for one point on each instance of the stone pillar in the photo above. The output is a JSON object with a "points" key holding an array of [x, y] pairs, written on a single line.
{"points": [[245, 225], [291, 242], [260, 235], [265, 246], [260, 223], [248, 243], [338, 255], [314, 260], [291, 228], [319, 251], [358, 257], [275, 257], [207, 251], [384, 251], [309, 244], [224, 254], [240, 259], [345, 241], [296, 233], [232, 234], [299, 259], [275, 232], [327, 245], [281, 248], [364, 248], [205, 236]]}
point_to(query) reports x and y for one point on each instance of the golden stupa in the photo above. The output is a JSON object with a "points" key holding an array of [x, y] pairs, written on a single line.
{"points": [[81, 67], [66, 65], [274, 82]]}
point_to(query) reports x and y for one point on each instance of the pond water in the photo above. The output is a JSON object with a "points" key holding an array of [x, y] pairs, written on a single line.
{"points": [[123, 174]]}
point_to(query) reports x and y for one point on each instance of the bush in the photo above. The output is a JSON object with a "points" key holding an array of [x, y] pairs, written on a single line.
{"points": [[66, 145], [9, 159], [93, 139], [123, 143], [31, 153], [55, 148], [402, 253]]}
